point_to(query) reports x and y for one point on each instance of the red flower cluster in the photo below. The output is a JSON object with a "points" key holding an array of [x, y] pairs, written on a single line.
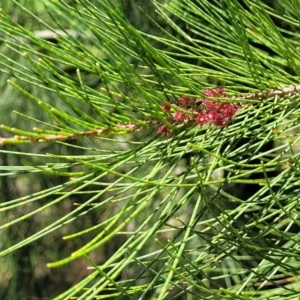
{"points": [[200, 111]]}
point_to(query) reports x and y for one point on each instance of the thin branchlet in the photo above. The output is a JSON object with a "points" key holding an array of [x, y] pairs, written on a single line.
{"points": [[196, 111]]}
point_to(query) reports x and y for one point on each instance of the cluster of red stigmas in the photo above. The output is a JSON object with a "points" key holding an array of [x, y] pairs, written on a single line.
{"points": [[200, 111]]}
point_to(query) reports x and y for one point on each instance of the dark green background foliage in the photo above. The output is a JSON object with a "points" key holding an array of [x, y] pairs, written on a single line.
{"points": [[125, 213]]}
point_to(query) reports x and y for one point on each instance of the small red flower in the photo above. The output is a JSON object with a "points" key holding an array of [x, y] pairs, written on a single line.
{"points": [[166, 107], [185, 101], [217, 113], [164, 130], [180, 117]]}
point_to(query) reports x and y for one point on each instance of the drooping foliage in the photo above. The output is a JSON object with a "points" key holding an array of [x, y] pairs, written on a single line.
{"points": [[158, 156]]}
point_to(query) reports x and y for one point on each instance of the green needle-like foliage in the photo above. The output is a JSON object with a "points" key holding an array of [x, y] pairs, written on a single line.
{"points": [[156, 208]]}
